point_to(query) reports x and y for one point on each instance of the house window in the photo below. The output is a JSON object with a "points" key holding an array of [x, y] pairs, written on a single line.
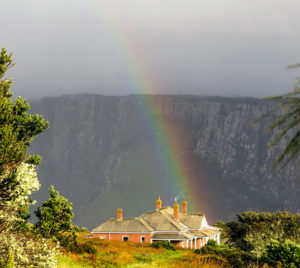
{"points": [[142, 239], [124, 238]]}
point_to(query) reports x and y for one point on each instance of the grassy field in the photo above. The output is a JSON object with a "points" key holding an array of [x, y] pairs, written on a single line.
{"points": [[128, 254]]}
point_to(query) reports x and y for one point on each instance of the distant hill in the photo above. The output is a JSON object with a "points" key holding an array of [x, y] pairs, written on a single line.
{"points": [[99, 154]]}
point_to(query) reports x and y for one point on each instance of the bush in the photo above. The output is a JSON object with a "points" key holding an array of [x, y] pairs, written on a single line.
{"points": [[163, 244], [80, 230], [55, 215], [253, 231], [87, 247], [212, 243], [68, 240], [234, 257], [286, 254], [25, 250], [10, 260]]}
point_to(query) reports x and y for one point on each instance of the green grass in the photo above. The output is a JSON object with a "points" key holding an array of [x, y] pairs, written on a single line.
{"points": [[65, 261]]}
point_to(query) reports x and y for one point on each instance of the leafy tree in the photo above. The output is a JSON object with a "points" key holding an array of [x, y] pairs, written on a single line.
{"points": [[18, 128], [287, 121], [55, 215], [18, 179], [284, 254], [253, 231]]}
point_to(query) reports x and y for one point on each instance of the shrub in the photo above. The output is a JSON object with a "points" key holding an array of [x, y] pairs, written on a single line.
{"points": [[68, 240], [80, 229], [87, 247], [25, 250], [253, 231], [163, 244], [234, 257], [10, 260], [286, 254], [55, 215], [212, 243]]}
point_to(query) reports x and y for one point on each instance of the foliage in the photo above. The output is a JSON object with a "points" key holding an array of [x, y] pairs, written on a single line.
{"points": [[68, 240], [80, 229], [14, 210], [287, 121], [234, 257], [285, 254], [212, 242], [18, 180], [18, 128], [55, 221], [163, 244], [26, 249], [55, 215], [253, 231], [86, 247], [10, 260]]}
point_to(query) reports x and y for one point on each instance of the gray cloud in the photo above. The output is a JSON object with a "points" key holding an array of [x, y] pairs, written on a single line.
{"points": [[211, 47]]}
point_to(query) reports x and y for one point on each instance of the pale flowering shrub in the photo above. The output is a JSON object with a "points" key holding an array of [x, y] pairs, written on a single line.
{"points": [[22, 183], [28, 183], [27, 250]]}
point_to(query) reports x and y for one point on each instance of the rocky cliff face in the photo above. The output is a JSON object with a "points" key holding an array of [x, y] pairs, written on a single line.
{"points": [[99, 153]]}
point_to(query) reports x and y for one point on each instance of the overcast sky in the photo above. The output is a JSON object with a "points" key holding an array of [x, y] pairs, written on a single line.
{"points": [[202, 47]]}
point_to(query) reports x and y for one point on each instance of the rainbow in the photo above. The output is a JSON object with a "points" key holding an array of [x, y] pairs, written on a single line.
{"points": [[167, 136]]}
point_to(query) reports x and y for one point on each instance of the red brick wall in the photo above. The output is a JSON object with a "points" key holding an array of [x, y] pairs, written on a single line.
{"points": [[177, 244], [135, 237]]}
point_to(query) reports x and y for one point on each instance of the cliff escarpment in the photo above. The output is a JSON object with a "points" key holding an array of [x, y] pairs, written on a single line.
{"points": [[99, 152]]}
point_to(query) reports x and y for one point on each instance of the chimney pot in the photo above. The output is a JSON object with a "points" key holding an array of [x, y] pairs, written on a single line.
{"points": [[184, 207], [119, 214], [158, 203], [176, 211]]}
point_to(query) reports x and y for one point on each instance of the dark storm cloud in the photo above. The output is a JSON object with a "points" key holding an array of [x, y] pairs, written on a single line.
{"points": [[189, 47]]}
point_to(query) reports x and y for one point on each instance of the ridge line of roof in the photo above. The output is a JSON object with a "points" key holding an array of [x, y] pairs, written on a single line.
{"points": [[176, 224], [142, 221]]}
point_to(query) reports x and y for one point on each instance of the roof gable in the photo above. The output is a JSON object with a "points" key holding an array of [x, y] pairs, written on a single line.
{"points": [[158, 222]]}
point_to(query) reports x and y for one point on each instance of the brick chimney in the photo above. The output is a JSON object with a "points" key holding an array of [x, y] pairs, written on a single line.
{"points": [[184, 207], [119, 214], [176, 211], [158, 203]]}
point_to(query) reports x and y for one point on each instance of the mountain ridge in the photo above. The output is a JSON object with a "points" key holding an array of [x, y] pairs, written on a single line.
{"points": [[101, 155]]}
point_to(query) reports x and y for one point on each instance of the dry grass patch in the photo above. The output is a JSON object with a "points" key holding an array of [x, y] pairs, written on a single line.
{"points": [[129, 254]]}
